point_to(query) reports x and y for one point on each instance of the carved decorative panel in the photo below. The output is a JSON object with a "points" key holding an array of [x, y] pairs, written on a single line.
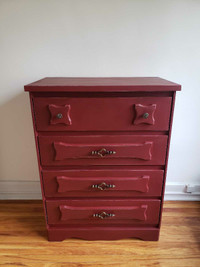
{"points": [[78, 151], [139, 184], [101, 213], [145, 114], [60, 114]]}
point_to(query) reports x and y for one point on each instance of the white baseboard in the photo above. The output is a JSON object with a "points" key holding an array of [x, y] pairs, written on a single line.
{"points": [[20, 190], [177, 191], [31, 190]]}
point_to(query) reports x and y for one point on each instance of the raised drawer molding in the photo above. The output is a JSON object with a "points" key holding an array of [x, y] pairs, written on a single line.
{"points": [[102, 147]]}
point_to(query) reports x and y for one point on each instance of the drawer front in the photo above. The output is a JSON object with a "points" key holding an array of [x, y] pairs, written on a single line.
{"points": [[102, 183], [103, 150], [103, 211], [102, 114]]}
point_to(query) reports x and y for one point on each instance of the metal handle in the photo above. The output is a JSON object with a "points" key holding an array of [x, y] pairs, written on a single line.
{"points": [[103, 186], [59, 115], [103, 215], [145, 115], [103, 152]]}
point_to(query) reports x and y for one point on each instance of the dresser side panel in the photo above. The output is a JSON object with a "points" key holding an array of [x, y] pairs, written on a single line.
{"points": [[38, 157]]}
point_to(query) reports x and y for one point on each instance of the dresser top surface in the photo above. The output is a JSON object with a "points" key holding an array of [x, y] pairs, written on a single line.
{"points": [[102, 84]]}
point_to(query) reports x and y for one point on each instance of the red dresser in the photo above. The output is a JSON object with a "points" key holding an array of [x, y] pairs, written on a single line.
{"points": [[102, 147]]}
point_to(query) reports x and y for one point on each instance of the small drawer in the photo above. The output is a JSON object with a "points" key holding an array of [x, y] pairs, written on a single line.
{"points": [[103, 150], [102, 114], [102, 183], [115, 211]]}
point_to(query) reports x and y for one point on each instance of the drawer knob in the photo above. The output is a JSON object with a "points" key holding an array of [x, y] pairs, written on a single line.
{"points": [[59, 115], [103, 215], [145, 115], [103, 152], [103, 186]]}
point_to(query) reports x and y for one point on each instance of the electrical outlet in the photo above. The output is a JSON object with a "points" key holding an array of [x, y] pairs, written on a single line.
{"points": [[192, 189]]}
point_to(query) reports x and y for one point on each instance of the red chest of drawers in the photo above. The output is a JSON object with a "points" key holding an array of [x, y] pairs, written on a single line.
{"points": [[102, 147]]}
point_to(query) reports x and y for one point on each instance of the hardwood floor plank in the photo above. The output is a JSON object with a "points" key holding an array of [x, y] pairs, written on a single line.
{"points": [[23, 241]]}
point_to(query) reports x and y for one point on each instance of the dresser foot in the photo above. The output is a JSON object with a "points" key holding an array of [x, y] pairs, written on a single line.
{"points": [[103, 233]]}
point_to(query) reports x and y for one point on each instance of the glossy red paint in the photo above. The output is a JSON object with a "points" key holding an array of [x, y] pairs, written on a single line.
{"points": [[79, 183], [77, 150], [102, 146], [103, 232], [102, 84], [60, 114], [108, 114], [131, 211]]}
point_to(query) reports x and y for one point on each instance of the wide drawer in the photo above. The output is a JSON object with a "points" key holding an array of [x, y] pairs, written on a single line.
{"points": [[103, 150], [94, 211], [102, 183], [102, 114]]}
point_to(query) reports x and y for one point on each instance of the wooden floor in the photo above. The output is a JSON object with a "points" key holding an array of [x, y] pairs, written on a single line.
{"points": [[23, 241]]}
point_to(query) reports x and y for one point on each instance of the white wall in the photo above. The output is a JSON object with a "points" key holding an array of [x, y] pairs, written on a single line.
{"points": [[96, 38]]}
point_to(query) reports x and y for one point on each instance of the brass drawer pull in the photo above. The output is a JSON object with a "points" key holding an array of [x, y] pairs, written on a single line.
{"points": [[103, 186], [103, 215], [103, 152]]}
